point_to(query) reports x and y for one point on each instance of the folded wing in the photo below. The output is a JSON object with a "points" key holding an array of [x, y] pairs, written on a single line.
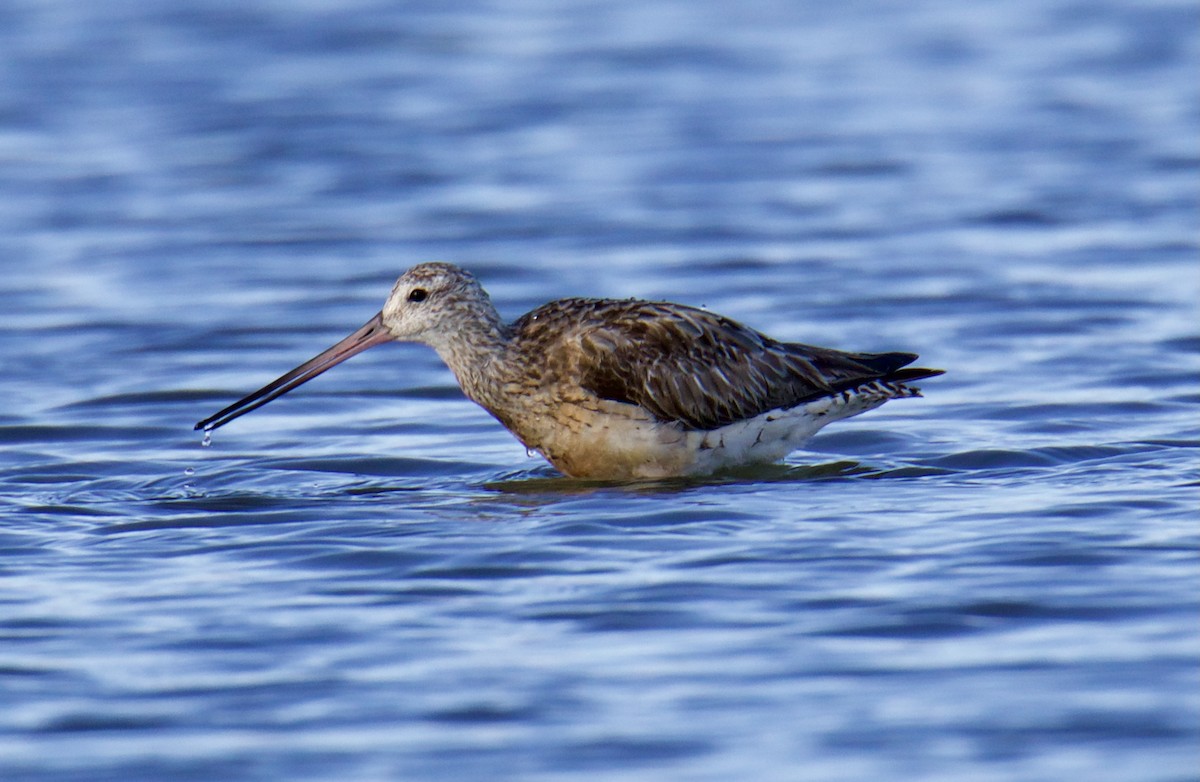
{"points": [[706, 371]]}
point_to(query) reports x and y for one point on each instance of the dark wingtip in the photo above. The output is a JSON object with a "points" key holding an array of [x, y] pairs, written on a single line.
{"points": [[913, 373], [886, 364], [889, 366]]}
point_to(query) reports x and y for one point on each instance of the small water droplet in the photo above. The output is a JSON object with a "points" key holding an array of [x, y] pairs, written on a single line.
{"points": [[189, 471], [207, 441]]}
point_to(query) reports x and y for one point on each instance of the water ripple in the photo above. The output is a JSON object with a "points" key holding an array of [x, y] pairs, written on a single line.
{"points": [[370, 579]]}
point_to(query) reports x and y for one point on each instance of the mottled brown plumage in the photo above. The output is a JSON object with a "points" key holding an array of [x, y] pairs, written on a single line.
{"points": [[692, 366], [621, 389]]}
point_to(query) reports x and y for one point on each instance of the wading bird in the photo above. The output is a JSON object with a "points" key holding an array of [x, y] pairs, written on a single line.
{"points": [[620, 389]]}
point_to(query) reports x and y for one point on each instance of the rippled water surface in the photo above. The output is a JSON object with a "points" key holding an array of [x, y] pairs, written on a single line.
{"points": [[371, 580]]}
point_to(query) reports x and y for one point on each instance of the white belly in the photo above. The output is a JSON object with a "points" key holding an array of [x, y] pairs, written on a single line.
{"points": [[623, 442]]}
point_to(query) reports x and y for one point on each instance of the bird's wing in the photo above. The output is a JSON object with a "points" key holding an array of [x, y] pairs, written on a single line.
{"points": [[702, 370]]}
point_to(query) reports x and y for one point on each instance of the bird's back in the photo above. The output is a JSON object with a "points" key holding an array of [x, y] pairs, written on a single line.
{"points": [[689, 366]]}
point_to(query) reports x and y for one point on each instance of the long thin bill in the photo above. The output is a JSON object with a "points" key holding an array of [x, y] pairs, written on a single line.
{"points": [[371, 334]]}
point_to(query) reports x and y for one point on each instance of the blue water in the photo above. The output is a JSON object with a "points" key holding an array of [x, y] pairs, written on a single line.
{"points": [[370, 579]]}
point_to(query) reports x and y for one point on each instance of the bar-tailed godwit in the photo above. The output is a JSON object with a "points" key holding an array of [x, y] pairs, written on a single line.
{"points": [[620, 389]]}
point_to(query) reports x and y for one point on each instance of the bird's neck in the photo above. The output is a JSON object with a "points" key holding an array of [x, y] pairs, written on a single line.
{"points": [[474, 352]]}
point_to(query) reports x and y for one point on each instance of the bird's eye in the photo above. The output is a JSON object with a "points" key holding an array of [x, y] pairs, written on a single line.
{"points": [[417, 294]]}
